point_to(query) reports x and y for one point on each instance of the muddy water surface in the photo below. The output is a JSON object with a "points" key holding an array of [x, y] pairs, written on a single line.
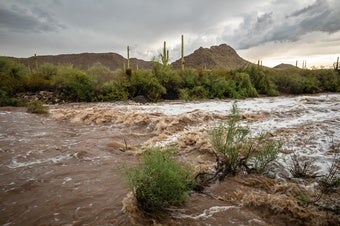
{"points": [[57, 173], [68, 168]]}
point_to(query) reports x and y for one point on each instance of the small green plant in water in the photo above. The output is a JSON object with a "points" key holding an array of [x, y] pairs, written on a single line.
{"points": [[160, 181], [236, 152], [37, 107]]}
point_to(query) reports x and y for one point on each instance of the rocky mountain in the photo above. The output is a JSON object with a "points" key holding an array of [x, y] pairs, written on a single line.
{"points": [[284, 66], [222, 56], [85, 60]]}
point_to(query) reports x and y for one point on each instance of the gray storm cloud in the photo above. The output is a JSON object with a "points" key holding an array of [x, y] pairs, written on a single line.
{"points": [[274, 26], [63, 26], [24, 20]]}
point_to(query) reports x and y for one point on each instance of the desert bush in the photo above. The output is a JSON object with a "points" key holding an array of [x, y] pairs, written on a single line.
{"points": [[116, 89], [100, 75], [241, 86], [196, 93], [169, 79], [331, 181], [81, 87], [13, 76], [47, 71], [261, 81], [184, 94], [266, 151], [329, 80], [311, 84], [229, 142], [218, 86], [73, 83], [199, 92], [190, 78], [37, 107], [5, 100], [301, 168], [289, 83], [146, 84], [236, 152], [36, 82], [160, 181]]}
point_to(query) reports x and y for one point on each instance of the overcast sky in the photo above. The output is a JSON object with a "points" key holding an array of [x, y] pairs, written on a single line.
{"points": [[275, 31]]}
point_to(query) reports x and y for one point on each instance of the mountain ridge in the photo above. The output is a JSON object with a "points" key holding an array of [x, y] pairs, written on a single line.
{"points": [[221, 57]]}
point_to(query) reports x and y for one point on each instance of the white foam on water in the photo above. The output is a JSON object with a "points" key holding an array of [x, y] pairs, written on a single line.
{"points": [[15, 164], [207, 213]]}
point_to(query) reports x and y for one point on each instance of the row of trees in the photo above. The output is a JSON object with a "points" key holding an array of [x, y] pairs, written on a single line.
{"points": [[99, 83]]}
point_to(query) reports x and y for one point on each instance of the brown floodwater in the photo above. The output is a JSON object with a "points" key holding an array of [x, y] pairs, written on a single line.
{"points": [[67, 168], [58, 173]]}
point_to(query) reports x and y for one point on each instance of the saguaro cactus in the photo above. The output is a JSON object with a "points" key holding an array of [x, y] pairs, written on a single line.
{"points": [[182, 54], [128, 57], [165, 55], [128, 70], [304, 64], [35, 62]]}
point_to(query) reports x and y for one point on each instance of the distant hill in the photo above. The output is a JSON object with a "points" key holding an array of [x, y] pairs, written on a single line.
{"points": [[284, 66], [85, 60], [222, 56]]}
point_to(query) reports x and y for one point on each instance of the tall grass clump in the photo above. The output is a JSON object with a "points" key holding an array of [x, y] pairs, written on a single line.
{"points": [[160, 181]]}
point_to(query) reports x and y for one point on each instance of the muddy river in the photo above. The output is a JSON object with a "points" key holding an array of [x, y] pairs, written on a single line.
{"points": [[67, 168]]}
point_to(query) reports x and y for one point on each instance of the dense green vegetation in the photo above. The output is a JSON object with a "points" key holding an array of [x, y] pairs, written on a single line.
{"points": [[99, 83], [160, 180]]}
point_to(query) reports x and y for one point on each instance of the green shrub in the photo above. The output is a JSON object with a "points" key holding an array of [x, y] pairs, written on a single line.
{"points": [[266, 151], [311, 84], [190, 78], [230, 144], [116, 89], [218, 86], [242, 86], [13, 76], [329, 80], [169, 79], [100, 75], [146, 84], [236, 152], [5, 100], [289, 83], [47, 71], [73, 83], [36, 82], [199, 92], [261, 81], [184, 94], [37, 107], [160, 181], [81, 87]]}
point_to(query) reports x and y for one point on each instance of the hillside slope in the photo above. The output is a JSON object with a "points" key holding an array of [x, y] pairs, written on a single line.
{"points": [[222, 56], [85, 60]]}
